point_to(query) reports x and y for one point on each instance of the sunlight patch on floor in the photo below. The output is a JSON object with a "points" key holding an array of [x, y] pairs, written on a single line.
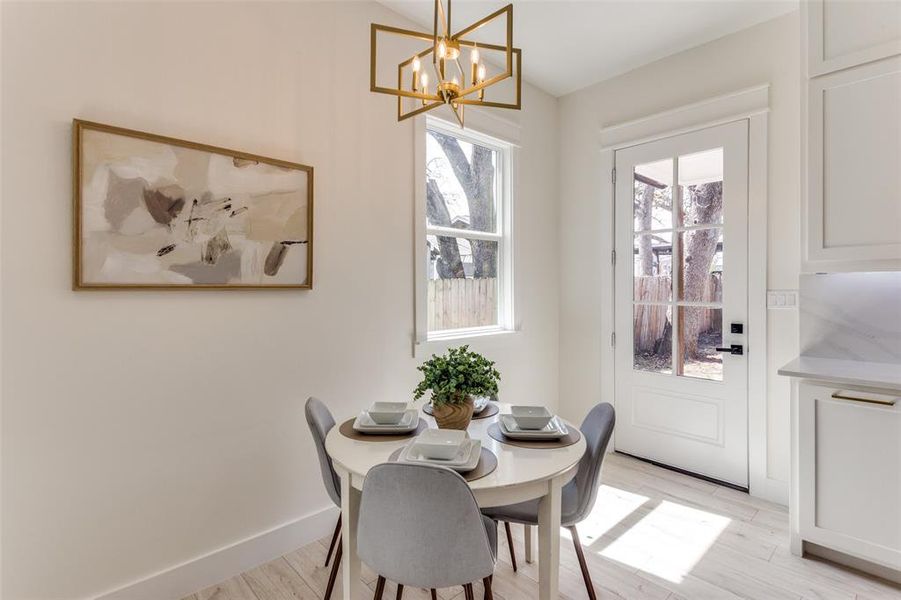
{"points": [[668, 542], [613, 505]]}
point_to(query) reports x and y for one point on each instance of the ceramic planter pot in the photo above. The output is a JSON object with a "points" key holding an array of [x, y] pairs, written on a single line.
{"points": [[453, 416]]}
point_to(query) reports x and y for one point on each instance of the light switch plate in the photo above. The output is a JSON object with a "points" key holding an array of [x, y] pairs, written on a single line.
{"points": [[782, 299]]}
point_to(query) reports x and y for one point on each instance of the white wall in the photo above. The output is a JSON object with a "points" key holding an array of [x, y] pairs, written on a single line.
{"points": [[766, 53], [143, 429]]}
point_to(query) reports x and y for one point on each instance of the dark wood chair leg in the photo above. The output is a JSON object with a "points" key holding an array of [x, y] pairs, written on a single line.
{"points": [[510, 545], [379, 588], [400, 592], [434, 594], [334, 574], [467, 589], [335, 535], [488, 593], [582, 564]]}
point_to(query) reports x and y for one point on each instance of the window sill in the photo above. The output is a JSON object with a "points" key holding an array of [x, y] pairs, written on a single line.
{"points": [[445, 339]]}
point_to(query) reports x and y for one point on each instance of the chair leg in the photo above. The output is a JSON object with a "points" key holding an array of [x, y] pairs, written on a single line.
{"points": [[527, 535], [434, 594], [336, 563], [467, 589], [582, 564], [488, 593], [335, 535], [379, 588], [510, 545], [400, 592]]}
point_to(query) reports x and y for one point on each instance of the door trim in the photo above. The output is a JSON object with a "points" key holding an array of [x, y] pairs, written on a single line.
{"points": [[753, 105]]}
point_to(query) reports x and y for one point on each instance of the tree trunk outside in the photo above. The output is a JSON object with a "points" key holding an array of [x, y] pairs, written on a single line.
{"points": [[476, 177], [644, 211], [699, 248], [448, 264]]}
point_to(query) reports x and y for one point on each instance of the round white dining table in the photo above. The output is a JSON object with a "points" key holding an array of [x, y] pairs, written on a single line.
{"points": [[521, 474]]}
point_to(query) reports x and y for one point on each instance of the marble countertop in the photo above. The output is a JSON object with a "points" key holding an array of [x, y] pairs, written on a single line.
{"points": [[853, 372]]}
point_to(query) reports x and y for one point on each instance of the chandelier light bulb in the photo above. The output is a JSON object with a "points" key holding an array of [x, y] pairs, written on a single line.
{"points": [[416, 64], [474, 56], [442, 49], [481, 73], [425, 82]]}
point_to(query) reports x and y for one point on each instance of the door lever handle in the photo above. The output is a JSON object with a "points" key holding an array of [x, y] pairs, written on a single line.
{"points": [[737, 349]]}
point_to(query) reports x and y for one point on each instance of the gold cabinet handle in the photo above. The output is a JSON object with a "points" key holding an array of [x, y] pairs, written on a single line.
{"points": [[881, 400]]}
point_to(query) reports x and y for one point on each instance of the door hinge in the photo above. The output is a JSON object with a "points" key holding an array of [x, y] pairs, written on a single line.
{"points": [[613, 339], [613, 257], [613, 175]]}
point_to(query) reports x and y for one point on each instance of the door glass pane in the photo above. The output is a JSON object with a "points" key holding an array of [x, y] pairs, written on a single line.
{"points": [[701, 333], [653, 195], [455, 198], [701, 272], [653, 267], [701, 188], [652, 341], [462, 283]]}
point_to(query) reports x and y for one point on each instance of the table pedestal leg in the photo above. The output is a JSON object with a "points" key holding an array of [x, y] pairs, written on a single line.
{"points": [[549, 542], [350, 513], [527, 535]]}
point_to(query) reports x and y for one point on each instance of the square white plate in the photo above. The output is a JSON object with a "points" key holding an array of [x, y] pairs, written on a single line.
{"points": [[466, 460], [364, 423], [552, 431]]}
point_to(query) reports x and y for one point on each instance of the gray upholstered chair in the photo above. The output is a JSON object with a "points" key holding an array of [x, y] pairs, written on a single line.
{"points": [[579, 495], [420, 526], [320, 420]]}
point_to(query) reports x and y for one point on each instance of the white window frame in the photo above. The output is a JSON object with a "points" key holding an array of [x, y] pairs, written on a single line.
{"points": [[506, 152]]}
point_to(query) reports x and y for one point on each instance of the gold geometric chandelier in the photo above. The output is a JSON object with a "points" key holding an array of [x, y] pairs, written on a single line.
{"points": [[450, 84]]}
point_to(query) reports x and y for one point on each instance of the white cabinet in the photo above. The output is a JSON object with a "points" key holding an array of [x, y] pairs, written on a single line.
{"points": [[845, 33], [852, 131], [854, 168], [849, 477]]}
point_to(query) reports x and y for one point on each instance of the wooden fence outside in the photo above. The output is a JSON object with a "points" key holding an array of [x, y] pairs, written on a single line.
{"points": [[650, 320], [457, 303]]}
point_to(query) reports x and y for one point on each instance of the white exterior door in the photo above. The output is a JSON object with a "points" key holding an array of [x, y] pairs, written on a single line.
{"points": [[681, 298]]}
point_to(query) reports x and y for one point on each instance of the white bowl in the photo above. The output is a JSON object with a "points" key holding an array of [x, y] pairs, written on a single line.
{"points": [[442, 444], [531, 417], [387, 413]]}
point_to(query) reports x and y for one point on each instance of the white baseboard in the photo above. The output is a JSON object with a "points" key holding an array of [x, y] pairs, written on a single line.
{"points": [[226, 562]]}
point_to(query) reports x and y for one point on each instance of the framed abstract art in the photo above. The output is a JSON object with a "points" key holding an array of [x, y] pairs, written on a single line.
{"points": [[154, 212]]}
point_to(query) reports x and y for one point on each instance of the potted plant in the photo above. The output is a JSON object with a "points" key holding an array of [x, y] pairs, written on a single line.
{"points": [[454, 379]]}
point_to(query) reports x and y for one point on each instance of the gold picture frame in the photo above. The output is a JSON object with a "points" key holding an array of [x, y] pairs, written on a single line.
{"points": [[268, 201]]}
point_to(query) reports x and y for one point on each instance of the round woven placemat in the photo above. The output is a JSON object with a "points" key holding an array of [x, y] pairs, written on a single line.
{"points": [[494, 430], [487, 464], [488, 411], [347, 430]]}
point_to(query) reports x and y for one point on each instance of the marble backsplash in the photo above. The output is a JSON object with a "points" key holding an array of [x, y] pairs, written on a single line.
{"points": [[852, 316]]}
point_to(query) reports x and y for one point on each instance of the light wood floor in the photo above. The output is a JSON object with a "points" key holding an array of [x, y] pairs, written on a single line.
{"points": [[654, 535]]}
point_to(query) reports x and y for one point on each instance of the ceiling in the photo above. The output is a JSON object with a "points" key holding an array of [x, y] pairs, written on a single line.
{"points": [[568, 45]]}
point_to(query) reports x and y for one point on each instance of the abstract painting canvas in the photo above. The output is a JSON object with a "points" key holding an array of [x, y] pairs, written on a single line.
{"points": [[157, 212]]}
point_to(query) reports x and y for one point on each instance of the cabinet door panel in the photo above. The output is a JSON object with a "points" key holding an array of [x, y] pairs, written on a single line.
{"points": [[850, 474], [858, 474], [854, 149], [845, 33]]}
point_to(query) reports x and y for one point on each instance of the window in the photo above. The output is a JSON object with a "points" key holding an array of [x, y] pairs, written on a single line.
{"points": [[465, 272]]}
